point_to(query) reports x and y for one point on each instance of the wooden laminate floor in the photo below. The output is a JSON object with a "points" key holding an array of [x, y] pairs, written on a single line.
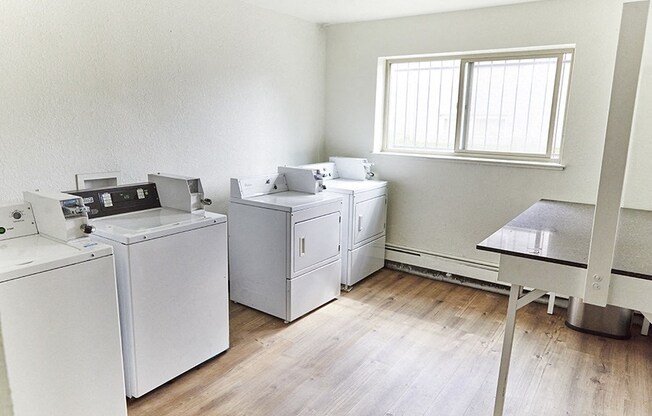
{"points": [[404, 345]]}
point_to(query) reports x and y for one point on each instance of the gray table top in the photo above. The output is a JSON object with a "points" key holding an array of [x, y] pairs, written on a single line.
{"points": [[560, 232]]}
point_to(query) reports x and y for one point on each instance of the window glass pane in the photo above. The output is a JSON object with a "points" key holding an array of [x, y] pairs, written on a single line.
{"points": [[510, 104], [422, 105]]}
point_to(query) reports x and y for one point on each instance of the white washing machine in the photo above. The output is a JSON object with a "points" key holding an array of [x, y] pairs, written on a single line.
{"points": [[284, 245], [171, 266], [364, 215], [59, 324]]}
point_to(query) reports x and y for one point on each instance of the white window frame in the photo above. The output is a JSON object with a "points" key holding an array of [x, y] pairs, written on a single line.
{"points": [[466, 60]]}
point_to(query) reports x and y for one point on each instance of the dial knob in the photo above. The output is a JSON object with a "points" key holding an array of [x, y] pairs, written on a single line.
{"points": [[87, 228], [17, 215]]}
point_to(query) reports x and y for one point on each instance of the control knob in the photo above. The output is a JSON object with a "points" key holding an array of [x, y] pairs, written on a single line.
{"points": [[87, 228], [17, 215]]}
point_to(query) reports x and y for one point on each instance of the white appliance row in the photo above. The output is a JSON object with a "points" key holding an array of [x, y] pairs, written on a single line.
{"points": [[60, 351], [284, 243], [291, 246], [64, 302], [364, 215], [171, 267]]}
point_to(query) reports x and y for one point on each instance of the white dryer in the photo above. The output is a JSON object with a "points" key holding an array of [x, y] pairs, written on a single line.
{"points": [[284, 245], [171, 267], [364, 215], [59, 324]]}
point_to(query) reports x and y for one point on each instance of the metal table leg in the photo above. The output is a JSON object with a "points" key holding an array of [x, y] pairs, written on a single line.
{"points": [[551, 303], [506, 354], [516, 302]]}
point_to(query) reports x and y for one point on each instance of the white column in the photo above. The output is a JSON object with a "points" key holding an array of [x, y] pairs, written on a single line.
{"points": [[614, 156]]}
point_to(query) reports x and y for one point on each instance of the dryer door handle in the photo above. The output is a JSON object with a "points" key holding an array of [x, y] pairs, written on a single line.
{"points": [[359, 223], [302, 246]]}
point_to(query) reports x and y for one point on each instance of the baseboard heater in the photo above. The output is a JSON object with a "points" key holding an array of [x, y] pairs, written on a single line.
{"points": [[451, 269], [475, 269]]}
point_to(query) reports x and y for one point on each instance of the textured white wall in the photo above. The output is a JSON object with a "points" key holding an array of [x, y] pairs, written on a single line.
{"points": [[209, 88], [446, 206]]}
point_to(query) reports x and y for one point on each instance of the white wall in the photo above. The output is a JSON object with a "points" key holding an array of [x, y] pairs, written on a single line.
{"points": [[444, 206], [209, 88]]}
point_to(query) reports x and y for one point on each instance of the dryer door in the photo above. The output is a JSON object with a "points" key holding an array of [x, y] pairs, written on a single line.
{"points": [[316, 240], [369, 218]]}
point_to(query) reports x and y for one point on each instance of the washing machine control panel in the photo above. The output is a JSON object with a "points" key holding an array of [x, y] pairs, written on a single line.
{"points": [[16, 221], [119, 199]]}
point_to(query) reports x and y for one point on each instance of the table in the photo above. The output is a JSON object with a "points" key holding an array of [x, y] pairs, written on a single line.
{"points": [[547, 247]]}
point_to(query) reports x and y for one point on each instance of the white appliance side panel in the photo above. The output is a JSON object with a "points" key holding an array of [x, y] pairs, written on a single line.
{"points": [[121, 255], [313, 289], [179, 303], [365, 260], [259, 257], [62, 341], [6, 405], [347, 232], [369, 218], [315, 241]]}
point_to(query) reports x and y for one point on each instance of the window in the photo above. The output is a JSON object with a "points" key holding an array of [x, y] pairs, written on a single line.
{"points": [[499, 105]]}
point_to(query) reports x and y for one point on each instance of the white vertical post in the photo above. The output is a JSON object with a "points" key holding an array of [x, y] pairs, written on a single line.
{"points": [[506, 355], [614, 157]]}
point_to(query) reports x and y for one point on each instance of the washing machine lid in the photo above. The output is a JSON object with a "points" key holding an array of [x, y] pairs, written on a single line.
{"points": [[289, 201], [33, 254], [135, 227], [351, 186]]}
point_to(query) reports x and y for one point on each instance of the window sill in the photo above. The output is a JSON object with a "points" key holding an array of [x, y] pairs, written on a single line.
{"points": [[480, 160]]}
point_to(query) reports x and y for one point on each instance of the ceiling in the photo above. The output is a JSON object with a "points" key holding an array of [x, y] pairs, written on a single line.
{"points": [[342, 11]]}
